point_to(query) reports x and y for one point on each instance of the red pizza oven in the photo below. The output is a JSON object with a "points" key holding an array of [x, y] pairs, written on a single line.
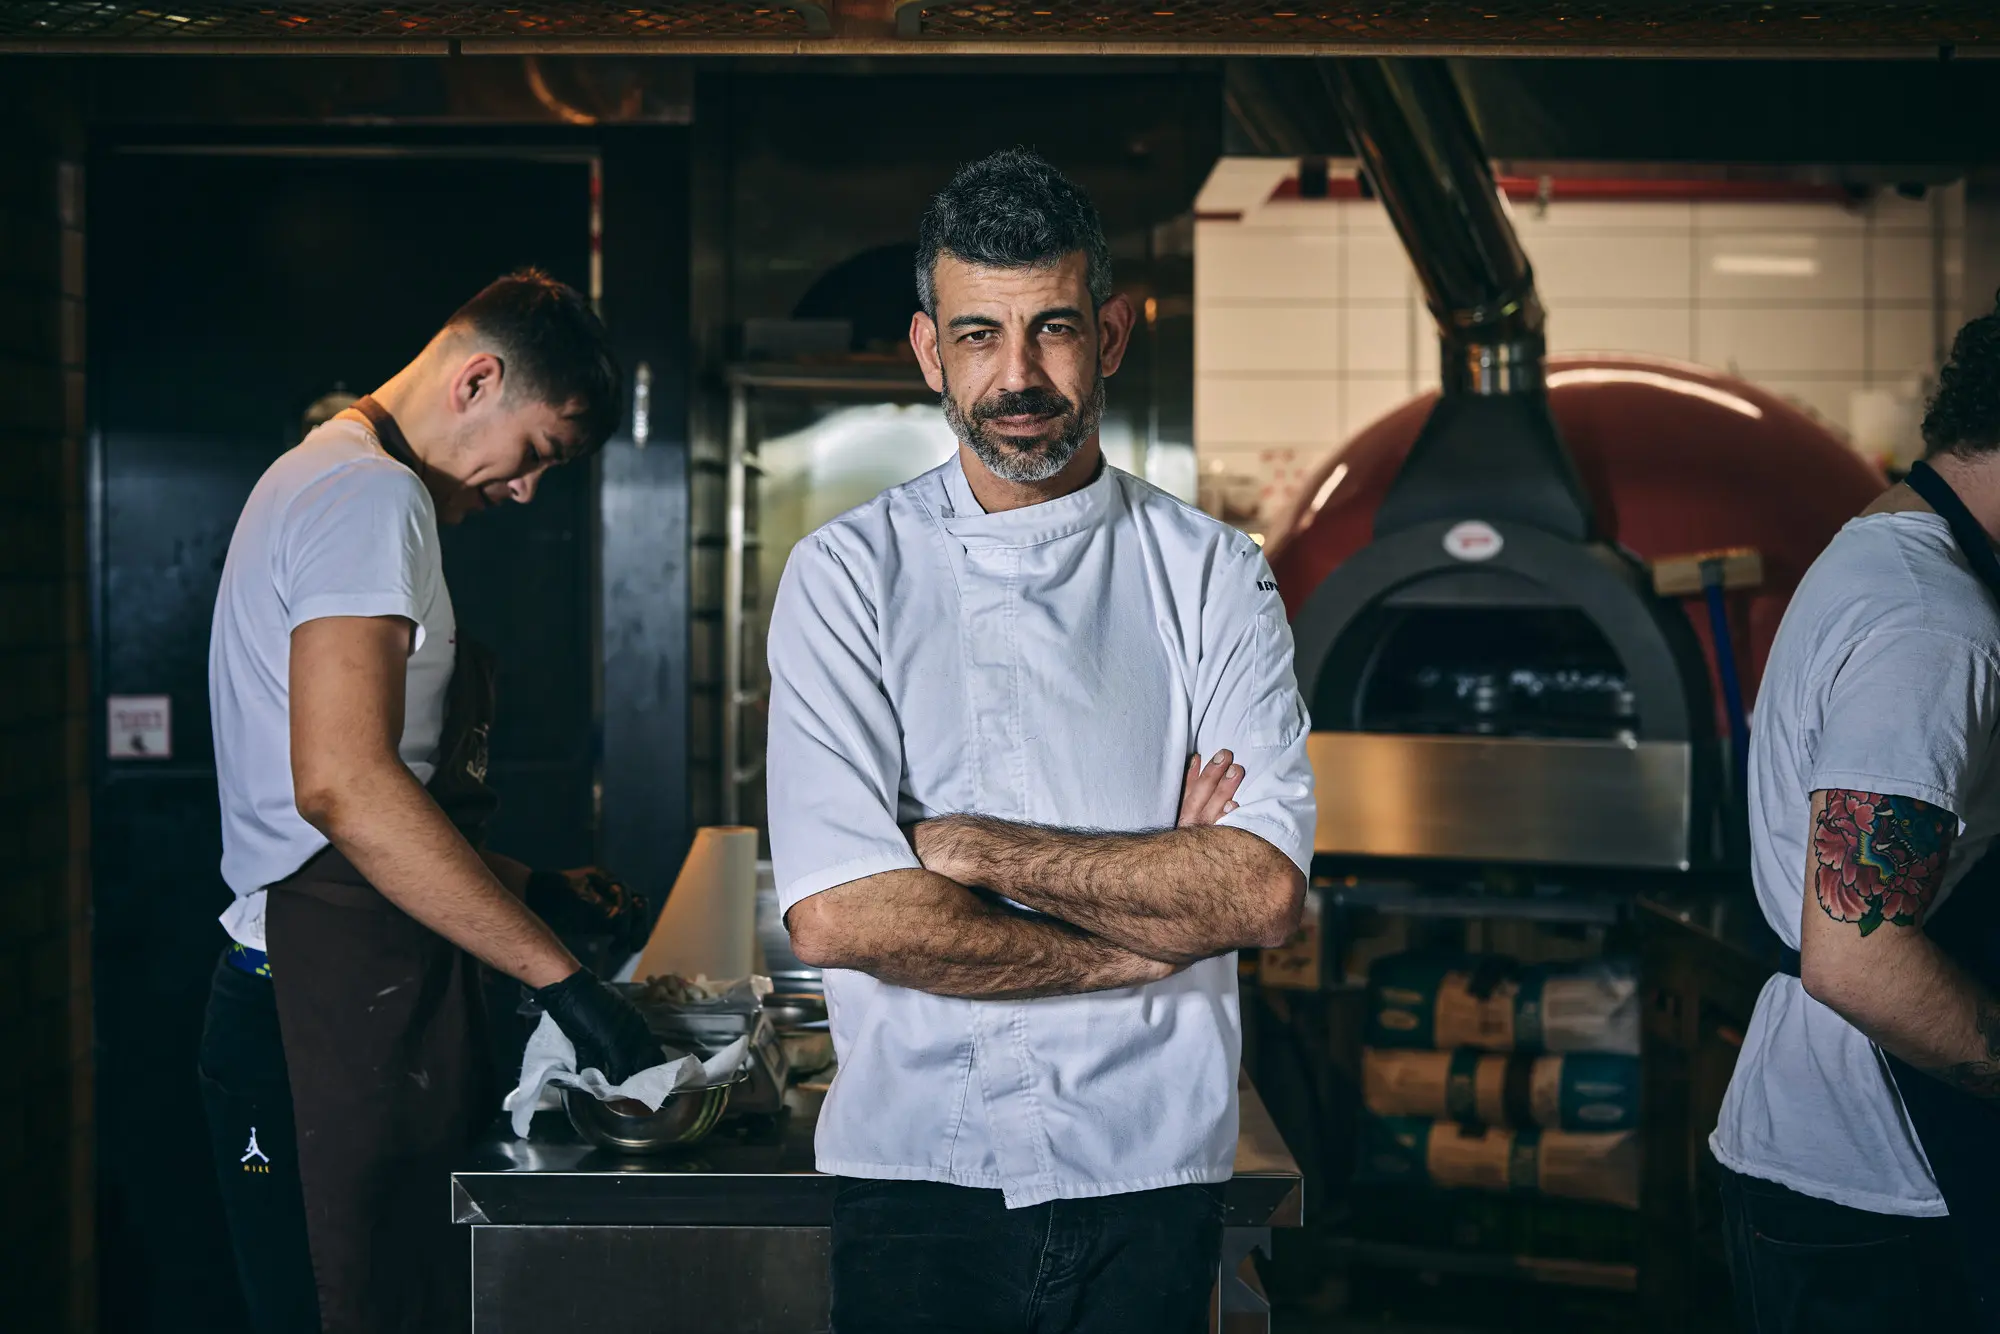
{"points": [[1492, 676]]}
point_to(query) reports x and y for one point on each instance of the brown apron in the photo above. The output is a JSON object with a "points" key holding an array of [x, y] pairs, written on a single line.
{"points": [[384, 1030]]}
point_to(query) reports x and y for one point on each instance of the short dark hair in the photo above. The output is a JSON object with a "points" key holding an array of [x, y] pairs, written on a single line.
{"points": [[1012, 210], [552, 347], [1964, 413]]}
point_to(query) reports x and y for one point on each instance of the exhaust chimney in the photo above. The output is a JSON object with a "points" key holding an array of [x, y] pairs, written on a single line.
{"points": [[1490, 449]]}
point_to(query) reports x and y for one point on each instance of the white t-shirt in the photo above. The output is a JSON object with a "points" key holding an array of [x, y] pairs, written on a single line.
{"points": [[335, 527], [1054, 664], [1884, 678]]}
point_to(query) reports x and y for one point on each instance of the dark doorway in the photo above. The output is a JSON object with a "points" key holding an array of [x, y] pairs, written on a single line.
{"points": [[228, 291]]}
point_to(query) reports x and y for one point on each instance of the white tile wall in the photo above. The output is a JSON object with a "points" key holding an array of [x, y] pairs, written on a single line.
{"points": [[1425, 372], [1379, 338], [1252, 339], [1889, 210], [1360, 218], [1732, 217], [1673, 217], [1378, 268], [1900, 267], [1310, 323], [1787, 266], [1954, 262], [1774, 340], [1902, 338], [1664, 332], [1235, 262], [1303, 215], [1605, 267], [1241, 184], [1238, 411]]}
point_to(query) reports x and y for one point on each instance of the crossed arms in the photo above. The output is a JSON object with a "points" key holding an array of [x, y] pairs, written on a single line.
{"points": [[1106, 910], [1119, 909], [1875, 864]]}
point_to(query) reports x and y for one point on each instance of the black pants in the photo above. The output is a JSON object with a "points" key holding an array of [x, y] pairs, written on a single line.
{"points": [[248, 1099], [917, 1256], [1815, 1267]]}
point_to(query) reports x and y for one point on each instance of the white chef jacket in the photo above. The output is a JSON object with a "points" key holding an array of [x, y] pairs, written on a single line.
{"points": [[1053, 665]]}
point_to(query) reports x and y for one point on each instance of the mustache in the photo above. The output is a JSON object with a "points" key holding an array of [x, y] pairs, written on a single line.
{"points": [[1034, 401]]}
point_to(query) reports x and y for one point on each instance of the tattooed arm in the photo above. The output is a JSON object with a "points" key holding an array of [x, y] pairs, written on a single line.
{"points": [[1875, 864]]}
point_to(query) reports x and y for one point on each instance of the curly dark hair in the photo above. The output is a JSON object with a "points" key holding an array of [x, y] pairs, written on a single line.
{"points": [[1011, 210], [1964, 413]]}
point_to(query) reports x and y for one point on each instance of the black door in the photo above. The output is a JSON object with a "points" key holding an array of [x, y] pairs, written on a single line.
{"points": [[227, 293]]}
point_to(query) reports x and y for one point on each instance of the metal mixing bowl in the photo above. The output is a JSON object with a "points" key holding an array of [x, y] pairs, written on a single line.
{"points": [[684, 1118]]}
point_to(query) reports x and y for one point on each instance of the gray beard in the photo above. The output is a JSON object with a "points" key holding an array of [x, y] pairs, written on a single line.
{"points": [[1042, 460]]}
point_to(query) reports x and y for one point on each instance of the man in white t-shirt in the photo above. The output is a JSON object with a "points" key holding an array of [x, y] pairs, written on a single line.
{"points": [[343, 1058], [1873, 793]]}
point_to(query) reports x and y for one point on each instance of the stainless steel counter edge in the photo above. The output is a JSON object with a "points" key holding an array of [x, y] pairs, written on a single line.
{"points": [[770, 1181]]}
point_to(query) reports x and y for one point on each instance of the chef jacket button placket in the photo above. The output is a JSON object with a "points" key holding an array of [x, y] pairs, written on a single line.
{"points": [[993, 671]]}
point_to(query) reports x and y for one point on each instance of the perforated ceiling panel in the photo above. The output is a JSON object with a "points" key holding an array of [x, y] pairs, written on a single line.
{"points": [[1623, 24], [205, 21]]}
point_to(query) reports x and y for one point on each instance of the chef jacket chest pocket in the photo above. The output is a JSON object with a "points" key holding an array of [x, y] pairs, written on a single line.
{"points": [[1276, 715]]}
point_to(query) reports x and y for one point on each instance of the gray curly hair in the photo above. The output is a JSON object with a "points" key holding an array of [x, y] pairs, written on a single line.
{"points": [[1011, 210]]}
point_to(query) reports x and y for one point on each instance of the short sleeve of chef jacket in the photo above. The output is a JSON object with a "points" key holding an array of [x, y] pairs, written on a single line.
{"points": [[835, 750], [1246, 700]]}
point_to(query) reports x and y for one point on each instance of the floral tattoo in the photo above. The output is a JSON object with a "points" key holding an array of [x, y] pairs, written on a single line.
{"points": [[1879, 858]]}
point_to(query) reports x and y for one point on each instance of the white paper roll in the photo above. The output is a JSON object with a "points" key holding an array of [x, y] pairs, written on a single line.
{"points": [[708, 927]]}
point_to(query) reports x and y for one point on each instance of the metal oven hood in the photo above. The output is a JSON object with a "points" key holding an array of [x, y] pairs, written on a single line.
{"points": [[1498, 799]]}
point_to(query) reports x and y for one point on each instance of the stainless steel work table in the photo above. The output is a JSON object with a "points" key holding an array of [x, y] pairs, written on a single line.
{"points": [[731, 1236]]}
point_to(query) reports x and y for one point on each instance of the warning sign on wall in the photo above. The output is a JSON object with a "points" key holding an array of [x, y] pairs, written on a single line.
{"points": [[141, 727]]}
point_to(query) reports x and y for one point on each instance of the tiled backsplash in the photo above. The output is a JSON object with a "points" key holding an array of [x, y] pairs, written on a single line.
{"points": [[1309, 323]]}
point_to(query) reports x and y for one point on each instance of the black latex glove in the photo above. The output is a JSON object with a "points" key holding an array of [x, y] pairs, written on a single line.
{"points": [[588, 902], [607, 1032]]}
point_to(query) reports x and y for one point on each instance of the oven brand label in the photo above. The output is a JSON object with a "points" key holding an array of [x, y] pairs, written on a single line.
{"points": [[1473, 540]]}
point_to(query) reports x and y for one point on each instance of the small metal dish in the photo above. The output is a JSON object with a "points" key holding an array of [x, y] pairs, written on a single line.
{"points": [[794, 1009], [686, 1117]]}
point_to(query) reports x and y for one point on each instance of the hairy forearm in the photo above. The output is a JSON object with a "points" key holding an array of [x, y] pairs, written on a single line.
{"points": [[1915, 1003], [1176, 895], [919, 930], [512, 875], [384, 822]]}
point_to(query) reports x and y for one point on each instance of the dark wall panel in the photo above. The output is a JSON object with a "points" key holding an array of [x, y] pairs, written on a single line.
{"points": [[644, 541]]}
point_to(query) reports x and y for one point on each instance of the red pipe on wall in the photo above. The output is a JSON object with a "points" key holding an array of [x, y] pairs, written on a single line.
{"points": [[1622, 189]]}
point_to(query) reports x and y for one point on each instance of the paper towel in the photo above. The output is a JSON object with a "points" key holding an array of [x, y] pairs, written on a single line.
{"points": [[549, 1063], [708, 927]]}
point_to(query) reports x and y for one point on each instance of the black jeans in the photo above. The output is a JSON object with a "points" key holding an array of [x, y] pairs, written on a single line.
{"points": [[1811, 1266], [918, 1256], [248, 1098]]}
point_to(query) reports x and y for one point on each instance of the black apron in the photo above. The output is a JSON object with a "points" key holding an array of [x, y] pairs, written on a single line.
{"points": [[1961, 1133], [384, 1030]]}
